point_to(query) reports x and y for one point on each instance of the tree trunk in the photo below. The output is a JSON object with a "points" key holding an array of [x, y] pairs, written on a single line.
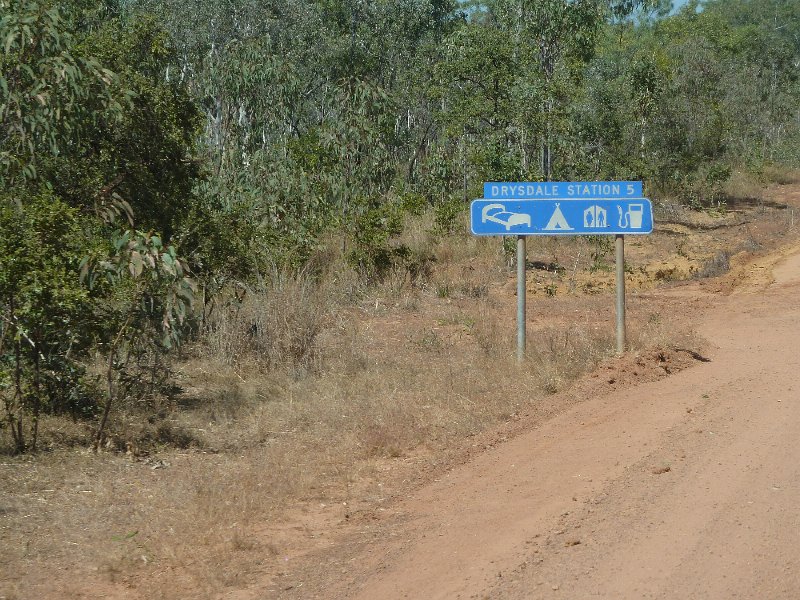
{"points": [[37, 400], [98, 438]]}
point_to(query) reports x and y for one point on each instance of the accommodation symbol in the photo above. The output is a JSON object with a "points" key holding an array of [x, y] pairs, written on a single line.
{"points": [[557, 222]]}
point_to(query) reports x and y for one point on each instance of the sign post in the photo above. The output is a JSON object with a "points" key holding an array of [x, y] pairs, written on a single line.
{"points": [[563, 208], [522, 260], [620, 260]]}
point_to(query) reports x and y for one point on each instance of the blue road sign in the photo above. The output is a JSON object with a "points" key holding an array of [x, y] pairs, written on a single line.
{"points": [[562, 216], [573, 190]]}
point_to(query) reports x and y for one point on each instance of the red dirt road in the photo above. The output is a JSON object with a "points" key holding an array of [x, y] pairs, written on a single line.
{"points": [[687, 487]]}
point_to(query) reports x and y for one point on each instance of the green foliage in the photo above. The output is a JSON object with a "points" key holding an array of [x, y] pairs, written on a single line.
{"points": [[92, 135], [45, 87], [45, 320], [684, 99], [603, 246], [153, 281], [152, 295], [448, 215], [373, 229], [146, 154]]}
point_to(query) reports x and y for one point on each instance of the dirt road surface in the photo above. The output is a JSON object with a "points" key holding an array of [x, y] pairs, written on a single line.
{"points": [[686, 487]]}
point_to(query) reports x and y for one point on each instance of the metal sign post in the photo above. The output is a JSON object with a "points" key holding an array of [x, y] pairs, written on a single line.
{"points": [[620, 258], [522, 292], [563, 208]]}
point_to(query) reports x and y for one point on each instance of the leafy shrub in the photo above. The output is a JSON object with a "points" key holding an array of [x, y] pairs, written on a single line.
{"points": [[449, 215], [45, 314]]}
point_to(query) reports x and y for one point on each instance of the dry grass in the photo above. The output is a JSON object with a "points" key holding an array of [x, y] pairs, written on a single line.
{"points": [[275, 328], [742, 185], [562, 354], [781, 175], [717, 265], [387, 384]]}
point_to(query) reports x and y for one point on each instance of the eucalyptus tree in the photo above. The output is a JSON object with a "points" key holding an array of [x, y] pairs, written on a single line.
{"points": [[92, 140], [683, 99], [763, 45], [299, 98], [476, 94], [546, 47], [45, 86]]}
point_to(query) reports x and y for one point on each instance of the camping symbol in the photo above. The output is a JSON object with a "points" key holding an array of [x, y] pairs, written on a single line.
{"points": [[595, 216], [557, 222]]}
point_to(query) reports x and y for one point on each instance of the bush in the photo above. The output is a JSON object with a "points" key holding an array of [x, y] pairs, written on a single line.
{"points": [[45, 314], [275, 327]]}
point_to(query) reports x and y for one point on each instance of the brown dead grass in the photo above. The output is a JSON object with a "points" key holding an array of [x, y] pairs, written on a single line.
{"points": [[398, 386], [780, 175], [315, 399]]}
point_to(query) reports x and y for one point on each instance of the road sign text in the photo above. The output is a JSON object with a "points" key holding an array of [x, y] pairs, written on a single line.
{"points": [[562, 189]]}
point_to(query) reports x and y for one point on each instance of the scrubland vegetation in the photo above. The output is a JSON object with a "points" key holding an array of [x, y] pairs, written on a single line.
{"points": [[235, 235]]}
